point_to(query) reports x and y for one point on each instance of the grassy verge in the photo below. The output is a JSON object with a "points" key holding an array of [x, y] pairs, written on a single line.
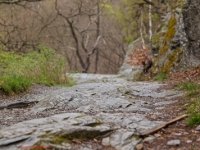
{"points": [[192, 106], [18, 72]]}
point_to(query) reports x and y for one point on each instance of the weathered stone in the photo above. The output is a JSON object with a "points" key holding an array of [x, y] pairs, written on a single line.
{"points": [[128, 71], [169, 43]]}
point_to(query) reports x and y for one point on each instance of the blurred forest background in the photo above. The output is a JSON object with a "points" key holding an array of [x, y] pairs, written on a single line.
{"points": [[91, 35]]}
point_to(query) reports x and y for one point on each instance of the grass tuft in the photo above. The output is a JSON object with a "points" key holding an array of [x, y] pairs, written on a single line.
{"points": [[160, 77], [12, 84]]}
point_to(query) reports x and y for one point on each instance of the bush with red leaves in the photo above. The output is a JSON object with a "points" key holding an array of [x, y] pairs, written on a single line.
{"points": [[138, 56]]}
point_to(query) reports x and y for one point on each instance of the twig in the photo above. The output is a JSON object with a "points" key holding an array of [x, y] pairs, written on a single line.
{"points": [[148, 132]]}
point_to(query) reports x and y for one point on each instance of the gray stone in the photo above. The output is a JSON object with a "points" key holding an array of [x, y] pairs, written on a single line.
{"points": [[174, 142]]}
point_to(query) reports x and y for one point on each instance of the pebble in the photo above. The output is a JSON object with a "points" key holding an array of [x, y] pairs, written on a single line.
{"points": [[198, 128], [189, 141], [177, 134], [139, 147], [157, 135], [174, 143], [149, 139], [198, 140]]}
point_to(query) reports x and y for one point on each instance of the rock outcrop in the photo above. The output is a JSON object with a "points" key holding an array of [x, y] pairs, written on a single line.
{"points": [[169, 43], [127, 70], [191, 20], [176, 45]]}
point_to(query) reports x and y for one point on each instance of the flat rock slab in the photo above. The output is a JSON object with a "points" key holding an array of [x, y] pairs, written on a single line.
{"points": [[100, 106]]}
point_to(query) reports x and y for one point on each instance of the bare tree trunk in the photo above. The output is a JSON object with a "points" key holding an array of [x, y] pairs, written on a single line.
{"points": [[97, 36], [141, 30], [150, 27]]}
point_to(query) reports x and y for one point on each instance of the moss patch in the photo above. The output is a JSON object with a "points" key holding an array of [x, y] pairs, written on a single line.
{"points": [[168, 35], [94, 124], [172, 58], [156, 42], [80, 135], [85, 135]]}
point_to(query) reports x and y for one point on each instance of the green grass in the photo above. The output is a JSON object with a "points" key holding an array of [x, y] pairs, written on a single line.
{"points": [[190, 88], [193, 105], [194, 112], [11, 84], [160, 77], [18, 72]]}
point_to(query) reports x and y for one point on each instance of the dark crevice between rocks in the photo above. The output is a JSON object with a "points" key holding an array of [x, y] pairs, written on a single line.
{"points": [[83, 135]]}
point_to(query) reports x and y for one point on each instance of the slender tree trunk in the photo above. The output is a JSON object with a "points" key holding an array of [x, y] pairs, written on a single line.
{"points": [[141, 30], [150, 27], [97, 36]]}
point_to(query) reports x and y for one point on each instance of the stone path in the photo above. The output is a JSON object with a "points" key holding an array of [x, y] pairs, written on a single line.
{"points": [[100, 107]]}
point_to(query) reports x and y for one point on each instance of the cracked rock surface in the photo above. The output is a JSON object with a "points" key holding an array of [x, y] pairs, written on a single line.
{"points": [[105, 110]]}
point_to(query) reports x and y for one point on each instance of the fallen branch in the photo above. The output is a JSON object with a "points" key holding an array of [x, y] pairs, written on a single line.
{"points": [[148, 132]]}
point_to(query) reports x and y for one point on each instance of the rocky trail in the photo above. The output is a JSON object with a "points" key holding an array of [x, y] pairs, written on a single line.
{"points": [[100, 112]]}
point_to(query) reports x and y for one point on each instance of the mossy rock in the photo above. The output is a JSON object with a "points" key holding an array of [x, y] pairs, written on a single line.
{"points": [[169, 34], [173, 58]]}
